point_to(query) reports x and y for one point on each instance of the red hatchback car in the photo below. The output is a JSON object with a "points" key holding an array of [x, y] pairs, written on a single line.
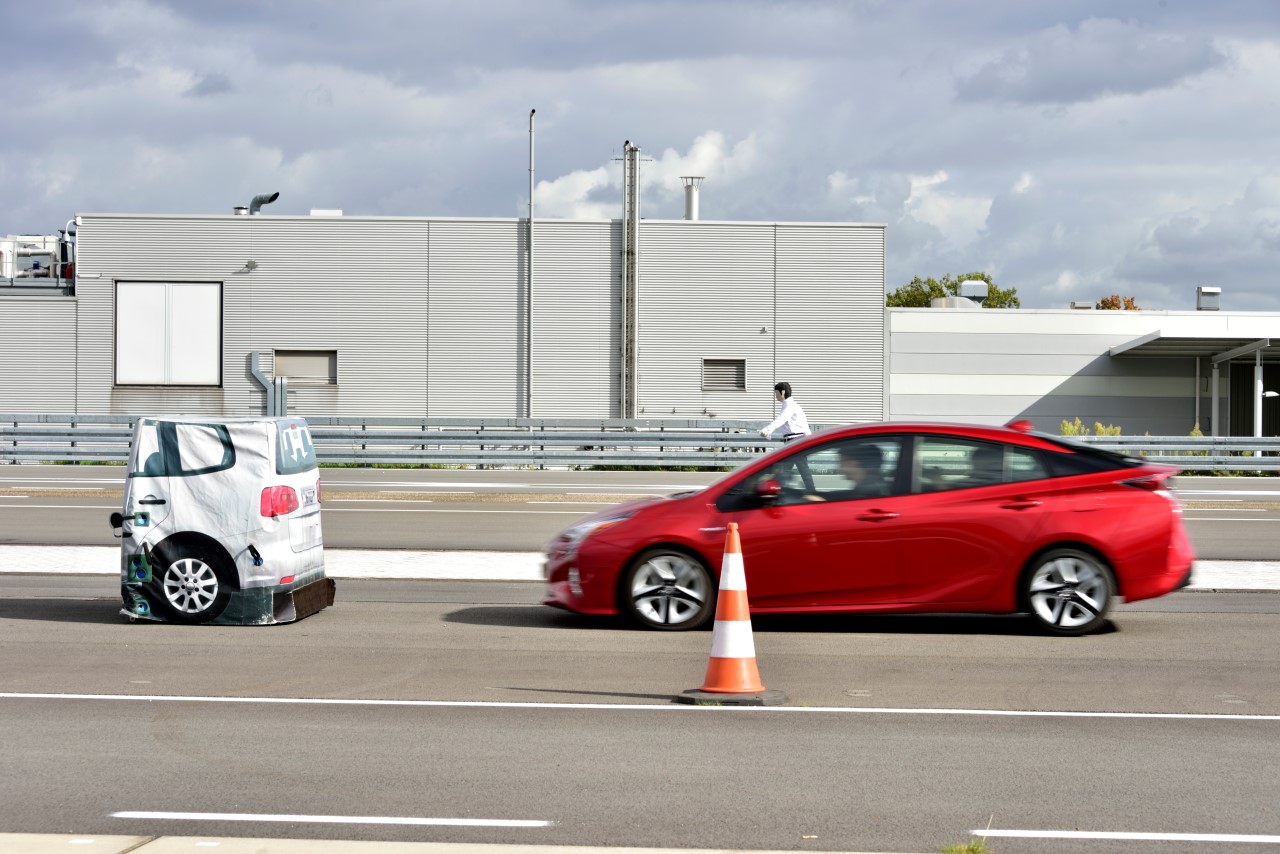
{"points": [[892, 517]]}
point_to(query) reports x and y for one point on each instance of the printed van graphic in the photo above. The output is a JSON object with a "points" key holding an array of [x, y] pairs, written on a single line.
{"points": [[221, 522]]}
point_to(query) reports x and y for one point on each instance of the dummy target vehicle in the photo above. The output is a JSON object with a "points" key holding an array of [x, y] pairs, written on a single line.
{"points": [[221, 522]]}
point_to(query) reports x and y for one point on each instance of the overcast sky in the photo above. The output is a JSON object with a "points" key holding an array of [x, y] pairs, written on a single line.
{"points": [[1071, 149]]}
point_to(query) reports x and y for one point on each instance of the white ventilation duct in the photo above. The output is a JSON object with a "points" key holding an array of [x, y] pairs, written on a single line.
{"points": [[691, 185]]}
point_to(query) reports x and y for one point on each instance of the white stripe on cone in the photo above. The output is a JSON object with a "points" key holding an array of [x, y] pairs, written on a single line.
{"points": [[732, 639], [733, 576]]}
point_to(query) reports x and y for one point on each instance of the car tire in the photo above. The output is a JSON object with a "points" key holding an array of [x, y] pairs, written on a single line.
{"points": [[668, 589], [1068, 591], [191, 583]]}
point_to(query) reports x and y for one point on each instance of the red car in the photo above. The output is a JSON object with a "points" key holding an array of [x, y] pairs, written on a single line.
{"points": [[892, 517]]}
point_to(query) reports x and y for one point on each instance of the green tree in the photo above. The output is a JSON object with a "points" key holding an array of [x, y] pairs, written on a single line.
{"points": [[918, 293], [1115, 302]]}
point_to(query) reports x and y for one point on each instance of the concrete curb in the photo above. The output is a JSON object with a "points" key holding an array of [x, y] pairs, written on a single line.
{"points": [[499, 566]]}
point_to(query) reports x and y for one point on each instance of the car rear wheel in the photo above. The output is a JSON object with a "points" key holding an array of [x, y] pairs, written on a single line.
{"points": [[194, 584], [1068, 591], [670, 590]]}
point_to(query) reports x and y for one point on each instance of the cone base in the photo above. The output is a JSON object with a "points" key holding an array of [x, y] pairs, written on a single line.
{"points": [[697, 697], [732, 676]]}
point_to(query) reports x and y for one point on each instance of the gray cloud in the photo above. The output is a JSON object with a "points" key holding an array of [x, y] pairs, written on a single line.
{"points": [[211, 84], [981, 135], [1099, 57]]}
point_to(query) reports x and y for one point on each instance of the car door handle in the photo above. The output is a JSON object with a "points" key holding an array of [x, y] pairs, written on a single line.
{"points": [[1021, 504], [151, 499], [876, 516]]}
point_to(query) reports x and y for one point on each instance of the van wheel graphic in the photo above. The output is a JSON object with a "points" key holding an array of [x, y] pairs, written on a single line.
{"points": [[193, 584]]}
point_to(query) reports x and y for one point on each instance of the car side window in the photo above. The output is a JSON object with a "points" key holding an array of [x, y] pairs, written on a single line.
{"points": [[202, 448], [944, 463], [844, 470], [1024, 464], [148, 462]]}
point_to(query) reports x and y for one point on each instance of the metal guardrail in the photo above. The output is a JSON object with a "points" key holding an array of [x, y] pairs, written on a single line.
{"points": [[488, 442], [554, 443]]}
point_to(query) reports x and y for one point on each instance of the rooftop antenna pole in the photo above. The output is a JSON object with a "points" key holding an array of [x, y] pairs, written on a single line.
{"points": [[528, 305]]}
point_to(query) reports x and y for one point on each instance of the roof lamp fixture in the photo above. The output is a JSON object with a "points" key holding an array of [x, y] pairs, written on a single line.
{"points": [[1271, 394], [250, 265]]}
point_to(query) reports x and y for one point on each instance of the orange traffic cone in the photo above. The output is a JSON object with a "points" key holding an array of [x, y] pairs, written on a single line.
{"points": [[732, 677]]}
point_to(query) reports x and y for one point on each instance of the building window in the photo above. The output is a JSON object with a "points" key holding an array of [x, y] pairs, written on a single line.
{"points": [[724, 374], [169, 333], [307, 367]]}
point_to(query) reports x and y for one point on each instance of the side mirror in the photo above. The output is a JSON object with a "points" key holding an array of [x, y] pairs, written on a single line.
{"points": [[116, 520], [768, 490]]}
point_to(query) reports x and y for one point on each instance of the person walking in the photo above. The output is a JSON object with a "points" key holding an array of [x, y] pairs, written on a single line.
{"points": [[791, 417]]}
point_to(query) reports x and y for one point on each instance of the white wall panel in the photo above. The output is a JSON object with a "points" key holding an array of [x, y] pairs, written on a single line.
{"points": [[477, 325], [576, 318], [38, 352], [830, 322], [706, 290]]}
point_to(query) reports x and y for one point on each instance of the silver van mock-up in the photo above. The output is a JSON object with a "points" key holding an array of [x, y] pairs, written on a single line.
{"points": [[221, 522]]}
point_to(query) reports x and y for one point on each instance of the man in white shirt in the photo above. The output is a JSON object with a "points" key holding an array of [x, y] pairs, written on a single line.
{"points": [[791, 416]]}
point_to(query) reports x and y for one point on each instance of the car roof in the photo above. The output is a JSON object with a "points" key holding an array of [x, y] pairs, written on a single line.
{"points": [[218, 419], [990, 432]]}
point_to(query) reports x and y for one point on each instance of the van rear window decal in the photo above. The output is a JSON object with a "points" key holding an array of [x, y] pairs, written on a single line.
{"points": [[294, 452]]}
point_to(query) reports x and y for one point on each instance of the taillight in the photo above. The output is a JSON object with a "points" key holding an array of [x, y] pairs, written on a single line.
{"points": [[1151, 482], [279, 501], [1157, 483]]}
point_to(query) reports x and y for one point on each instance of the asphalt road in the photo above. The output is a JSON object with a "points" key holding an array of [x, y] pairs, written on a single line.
{"points": [[469, 701], [442, 509]]}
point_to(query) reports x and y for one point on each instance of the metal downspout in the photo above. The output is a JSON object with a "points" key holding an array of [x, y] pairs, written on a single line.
{"points": [[256, 373]]}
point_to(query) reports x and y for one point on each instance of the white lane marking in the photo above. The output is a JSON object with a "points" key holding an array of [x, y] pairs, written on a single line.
{"points": [[444, 510], [59, 480], [334, 819], [381, 500], [1230, 510], [7, 497], [336, 482], [647, 707], [65, 506], [1223, 519], [589, 503], [1104, 834], [1245, 492]]}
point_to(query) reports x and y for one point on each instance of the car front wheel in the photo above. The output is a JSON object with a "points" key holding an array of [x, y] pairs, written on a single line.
{"points": [[1068, 591], [669, 590]]}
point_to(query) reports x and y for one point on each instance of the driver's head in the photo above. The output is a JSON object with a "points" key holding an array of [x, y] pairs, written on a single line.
{"points": [[857, 461]]}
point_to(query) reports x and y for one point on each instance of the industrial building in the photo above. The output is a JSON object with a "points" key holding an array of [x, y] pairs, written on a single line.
{"points": [[449, 317], [434, 317]]}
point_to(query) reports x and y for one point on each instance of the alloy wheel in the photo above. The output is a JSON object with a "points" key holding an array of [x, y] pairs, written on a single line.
{"points": [[190, 585], [1070, 592], [670, 590]]}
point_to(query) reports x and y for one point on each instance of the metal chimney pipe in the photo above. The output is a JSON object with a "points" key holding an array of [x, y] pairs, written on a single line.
{"points": [[691, 185], [259, 201]]}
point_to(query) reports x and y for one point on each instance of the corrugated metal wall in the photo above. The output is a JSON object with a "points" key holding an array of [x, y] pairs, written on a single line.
{"points": [[706, 291], [478, 319], [830, 320], [429, 317], [799, 302], [38, 353], [577, 293]]}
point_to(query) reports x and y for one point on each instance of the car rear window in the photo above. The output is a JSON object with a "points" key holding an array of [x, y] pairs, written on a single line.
{"points": [[1084, 459], [294, 451]]}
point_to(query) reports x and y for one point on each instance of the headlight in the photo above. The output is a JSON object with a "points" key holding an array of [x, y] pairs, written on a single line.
{"points": [[571, 538]]}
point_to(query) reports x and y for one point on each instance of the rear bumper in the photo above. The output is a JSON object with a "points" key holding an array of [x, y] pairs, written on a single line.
{"points": [[1176, 574]]}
